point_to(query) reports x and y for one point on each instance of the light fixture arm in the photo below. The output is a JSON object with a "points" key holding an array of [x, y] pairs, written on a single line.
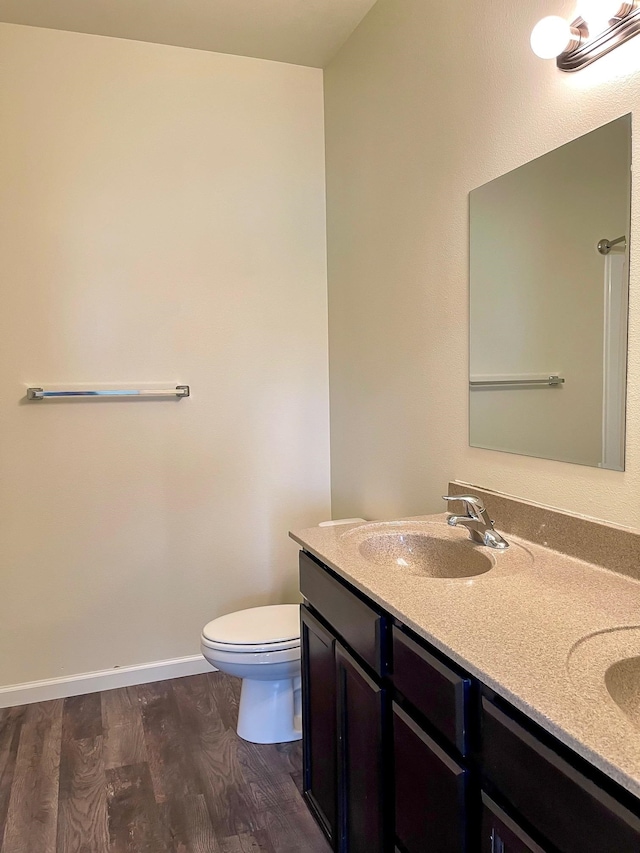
{"points": [[581, 47]]}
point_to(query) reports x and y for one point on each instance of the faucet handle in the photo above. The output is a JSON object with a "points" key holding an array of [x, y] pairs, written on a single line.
{"points": [[472, 504]]}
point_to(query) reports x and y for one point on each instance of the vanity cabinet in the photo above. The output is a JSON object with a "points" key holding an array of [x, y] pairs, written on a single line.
{"points": [[406, 752], [345, 711]]}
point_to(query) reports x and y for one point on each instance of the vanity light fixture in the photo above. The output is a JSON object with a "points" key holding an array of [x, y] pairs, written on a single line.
{"points": [[599, 26]]}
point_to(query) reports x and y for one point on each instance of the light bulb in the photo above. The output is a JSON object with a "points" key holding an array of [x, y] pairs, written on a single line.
{"points": [[598, 13], [551, 36]]}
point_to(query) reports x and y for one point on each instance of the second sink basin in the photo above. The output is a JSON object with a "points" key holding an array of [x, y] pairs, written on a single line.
{"points": [[427, 550], [606, 666], [622, 680]]}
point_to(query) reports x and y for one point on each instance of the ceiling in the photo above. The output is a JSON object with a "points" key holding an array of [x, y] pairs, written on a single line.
{"points": [[303, 32]]}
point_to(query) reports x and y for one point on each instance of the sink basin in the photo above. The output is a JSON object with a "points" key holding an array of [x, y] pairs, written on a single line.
{"points": [[606, 667], [425, 550], [622, 680], [424, 555]]}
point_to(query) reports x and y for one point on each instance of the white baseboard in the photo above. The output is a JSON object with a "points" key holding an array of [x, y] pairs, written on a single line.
{"points": [[106, 679]]}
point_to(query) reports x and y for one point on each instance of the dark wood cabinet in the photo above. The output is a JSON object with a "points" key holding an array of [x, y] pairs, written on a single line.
{"points": [[406, 752], [344, 731], [360, 624], [319, 744], [567, 807], [362, 758], [501, 834], [437, 691], [431, 792]]}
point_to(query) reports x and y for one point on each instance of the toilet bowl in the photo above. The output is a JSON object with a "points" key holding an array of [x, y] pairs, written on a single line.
{"points": [[261, 646]]}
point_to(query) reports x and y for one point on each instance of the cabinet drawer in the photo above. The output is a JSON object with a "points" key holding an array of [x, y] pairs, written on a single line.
{"points": [[566, 807], [501, 834], [361, 627], [431, 792], [434, 689]]}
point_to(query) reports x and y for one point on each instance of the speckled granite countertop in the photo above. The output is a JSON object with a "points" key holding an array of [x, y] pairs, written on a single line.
{"points": [[520, 628]]}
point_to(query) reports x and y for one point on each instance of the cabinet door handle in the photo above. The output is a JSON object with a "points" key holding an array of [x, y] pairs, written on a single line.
{"points": [[497, 844]]}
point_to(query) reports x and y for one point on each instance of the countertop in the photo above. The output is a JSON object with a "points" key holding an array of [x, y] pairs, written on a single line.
{"points": [[519, 628]]}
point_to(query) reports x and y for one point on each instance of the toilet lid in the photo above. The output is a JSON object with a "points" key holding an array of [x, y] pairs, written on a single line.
{"points": [[257, 626]]}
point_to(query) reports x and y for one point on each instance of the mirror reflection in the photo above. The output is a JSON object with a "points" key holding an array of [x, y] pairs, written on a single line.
{"points": [[549, 247]]}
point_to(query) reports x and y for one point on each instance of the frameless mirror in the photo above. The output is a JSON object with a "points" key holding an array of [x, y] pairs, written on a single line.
{"points": [[549, 280]]}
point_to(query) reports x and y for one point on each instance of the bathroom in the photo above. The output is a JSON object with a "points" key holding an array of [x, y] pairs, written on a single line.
{"points": [[280, 223]]}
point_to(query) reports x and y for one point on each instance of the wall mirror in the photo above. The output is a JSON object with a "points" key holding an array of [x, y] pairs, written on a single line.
{"points": [[549, 283]]}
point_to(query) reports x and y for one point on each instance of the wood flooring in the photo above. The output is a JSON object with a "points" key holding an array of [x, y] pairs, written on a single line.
{"points": [[156, 768]]}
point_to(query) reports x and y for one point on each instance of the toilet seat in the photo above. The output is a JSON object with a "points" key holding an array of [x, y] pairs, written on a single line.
{"points": [[271, 628], [255, 660], [249, 648]]}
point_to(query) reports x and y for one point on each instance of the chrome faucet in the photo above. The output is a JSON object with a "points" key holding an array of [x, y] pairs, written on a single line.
{"points": [[476, 521]]}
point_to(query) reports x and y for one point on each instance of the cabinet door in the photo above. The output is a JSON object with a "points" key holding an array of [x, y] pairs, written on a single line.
{"points": [[431, 792], [319, 721], [362, 757]]}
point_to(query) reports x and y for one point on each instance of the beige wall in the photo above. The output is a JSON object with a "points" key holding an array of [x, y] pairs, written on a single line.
{"points": [[537, 295], [162, 221], [416, 117]]}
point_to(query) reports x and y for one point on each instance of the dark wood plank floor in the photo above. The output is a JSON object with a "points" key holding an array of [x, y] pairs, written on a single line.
{"points": [[151, 769]]}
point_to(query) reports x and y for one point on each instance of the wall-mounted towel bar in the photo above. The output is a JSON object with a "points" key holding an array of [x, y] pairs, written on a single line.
{"points": [[553, 380], [40, 394]]}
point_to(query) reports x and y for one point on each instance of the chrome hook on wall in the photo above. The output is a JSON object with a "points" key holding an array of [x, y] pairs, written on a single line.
{"points": [[605, 246]]}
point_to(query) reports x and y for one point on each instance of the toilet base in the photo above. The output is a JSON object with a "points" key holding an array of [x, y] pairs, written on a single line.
{"points": [[270, 711]]}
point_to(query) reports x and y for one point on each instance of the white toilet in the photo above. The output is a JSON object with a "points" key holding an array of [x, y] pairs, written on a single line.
{"points": [[262, 647]]}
